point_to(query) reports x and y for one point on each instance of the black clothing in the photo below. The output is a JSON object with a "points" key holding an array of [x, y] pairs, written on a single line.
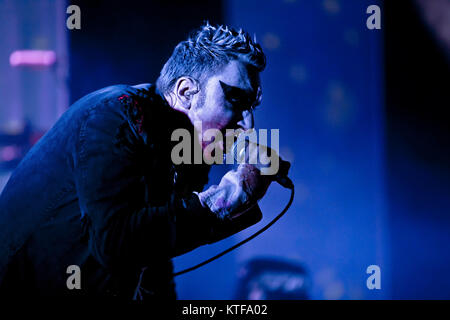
{"points": [[100, 191]]}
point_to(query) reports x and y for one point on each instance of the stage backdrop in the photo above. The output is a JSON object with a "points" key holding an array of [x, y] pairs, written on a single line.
{"points": [[323, 88]]}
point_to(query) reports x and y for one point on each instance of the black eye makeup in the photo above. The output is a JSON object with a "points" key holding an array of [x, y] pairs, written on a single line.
{"points": [[239, 98]]}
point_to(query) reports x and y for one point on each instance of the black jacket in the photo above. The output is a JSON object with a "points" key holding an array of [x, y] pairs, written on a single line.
{"points": [[100, 191]]}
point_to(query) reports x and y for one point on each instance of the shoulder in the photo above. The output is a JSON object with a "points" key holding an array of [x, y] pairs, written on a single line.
{"points": [[118, 93], [137, 103], [139, 108], [126, 101], [112, 111]]}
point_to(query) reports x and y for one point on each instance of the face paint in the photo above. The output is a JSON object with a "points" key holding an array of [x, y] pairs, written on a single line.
{"points": [[239, 98]]}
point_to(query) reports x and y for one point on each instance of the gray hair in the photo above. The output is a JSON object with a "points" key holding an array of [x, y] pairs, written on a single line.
{"points": [[206, 52]]}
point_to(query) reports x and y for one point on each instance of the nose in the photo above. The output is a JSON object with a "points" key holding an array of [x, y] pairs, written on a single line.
{"points": [[247, 121]]}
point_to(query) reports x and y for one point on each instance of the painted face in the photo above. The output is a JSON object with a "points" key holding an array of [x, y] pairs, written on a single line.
{"points": [[228, 99]]}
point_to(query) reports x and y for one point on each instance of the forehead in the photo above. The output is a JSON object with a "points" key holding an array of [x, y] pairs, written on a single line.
{"points": [[236, 74]]}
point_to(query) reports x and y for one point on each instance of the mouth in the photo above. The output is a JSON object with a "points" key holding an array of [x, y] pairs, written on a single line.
{"points": [[222, 142]]}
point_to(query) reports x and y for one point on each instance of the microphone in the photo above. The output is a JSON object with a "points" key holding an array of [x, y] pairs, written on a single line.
{"points": [[247, 152]]}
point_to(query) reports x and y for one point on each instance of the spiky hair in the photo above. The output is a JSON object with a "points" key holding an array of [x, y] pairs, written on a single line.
{"points": [[207, 51]]}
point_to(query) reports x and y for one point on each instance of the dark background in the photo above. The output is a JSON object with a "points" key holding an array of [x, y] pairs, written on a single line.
{"points": [[361, 113], [418, 153], [128, 42]]}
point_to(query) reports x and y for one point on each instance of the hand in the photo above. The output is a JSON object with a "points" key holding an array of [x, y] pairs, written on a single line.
{"points": [[237, 190]]}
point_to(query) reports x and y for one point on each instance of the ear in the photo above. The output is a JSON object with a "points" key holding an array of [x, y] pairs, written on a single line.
{"points": [[185, 89]]}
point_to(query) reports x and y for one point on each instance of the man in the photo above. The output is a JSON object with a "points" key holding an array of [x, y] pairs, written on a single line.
{"points": [[100, 191]]}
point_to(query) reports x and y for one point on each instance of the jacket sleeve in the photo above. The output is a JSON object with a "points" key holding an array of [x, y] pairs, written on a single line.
{"points": [[123, 229], [201, 226]]}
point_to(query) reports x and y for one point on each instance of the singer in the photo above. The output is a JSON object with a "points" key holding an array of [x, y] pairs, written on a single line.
{"points": [[100, 191]]}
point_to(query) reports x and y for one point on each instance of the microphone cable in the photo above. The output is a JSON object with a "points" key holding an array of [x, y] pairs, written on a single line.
{"points": [[291, 187]]}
